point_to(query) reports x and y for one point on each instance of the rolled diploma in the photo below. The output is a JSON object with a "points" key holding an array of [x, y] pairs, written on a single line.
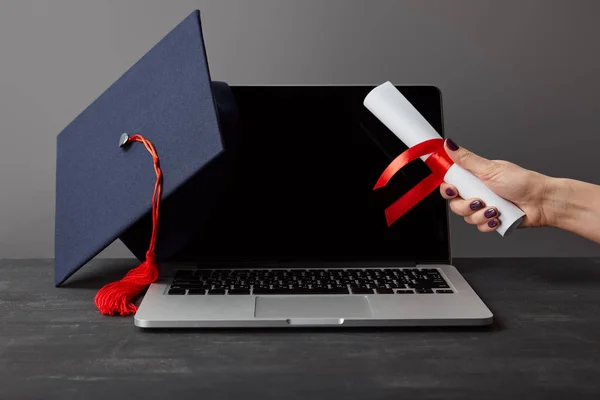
{"points": [[403, 119]]}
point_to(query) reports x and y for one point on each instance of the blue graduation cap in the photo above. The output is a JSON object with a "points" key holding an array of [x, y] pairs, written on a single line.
{"points": [[104, 191]]}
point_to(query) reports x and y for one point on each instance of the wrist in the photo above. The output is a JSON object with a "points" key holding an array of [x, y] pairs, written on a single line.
{"points": [[570, 204], [555, 202]]}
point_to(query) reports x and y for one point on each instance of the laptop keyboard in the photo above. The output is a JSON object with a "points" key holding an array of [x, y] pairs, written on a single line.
{"points": [[308, 281]]}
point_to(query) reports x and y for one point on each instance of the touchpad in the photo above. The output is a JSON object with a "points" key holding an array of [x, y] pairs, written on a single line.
{"points": [[312, 307]]}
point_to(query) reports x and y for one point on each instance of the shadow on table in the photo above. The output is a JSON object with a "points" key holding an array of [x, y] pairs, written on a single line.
{"points": [[496, 326]]}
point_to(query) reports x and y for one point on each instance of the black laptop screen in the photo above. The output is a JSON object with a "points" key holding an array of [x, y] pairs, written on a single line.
{"points": [[303, 175]]}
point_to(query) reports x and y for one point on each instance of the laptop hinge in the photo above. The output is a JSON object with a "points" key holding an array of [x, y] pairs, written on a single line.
{"points": [[308, 264]]}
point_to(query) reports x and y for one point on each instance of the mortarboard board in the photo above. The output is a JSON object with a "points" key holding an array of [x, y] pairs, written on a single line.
{"points": [[103, 192], [194, 199]]}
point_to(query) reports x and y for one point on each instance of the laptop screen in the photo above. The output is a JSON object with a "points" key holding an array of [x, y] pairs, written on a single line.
{"points": [[303, 177]]}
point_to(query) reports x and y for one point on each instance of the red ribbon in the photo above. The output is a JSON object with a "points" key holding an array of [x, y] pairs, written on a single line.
{"points": [[439, 162]]}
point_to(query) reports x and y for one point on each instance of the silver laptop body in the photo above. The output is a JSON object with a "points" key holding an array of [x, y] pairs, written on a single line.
{"points": [[461, 307], [300, 240]]}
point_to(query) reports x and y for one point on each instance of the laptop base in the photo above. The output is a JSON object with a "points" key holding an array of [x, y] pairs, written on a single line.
{"points": [[457, 306]]}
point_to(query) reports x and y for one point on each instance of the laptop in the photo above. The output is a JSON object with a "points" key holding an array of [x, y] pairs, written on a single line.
{"points": [[299, 237]]}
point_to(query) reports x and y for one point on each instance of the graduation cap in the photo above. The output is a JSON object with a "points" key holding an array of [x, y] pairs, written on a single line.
{"points": [[164, 106]]}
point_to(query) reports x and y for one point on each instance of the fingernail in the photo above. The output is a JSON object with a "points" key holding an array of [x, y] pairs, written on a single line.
{"points": [[451, 145], [450, 192], [493, 223], [490, 213], [476, 205]]}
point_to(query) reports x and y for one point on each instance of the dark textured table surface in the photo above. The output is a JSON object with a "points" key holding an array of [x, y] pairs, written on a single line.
{"points": [[545, 343]]}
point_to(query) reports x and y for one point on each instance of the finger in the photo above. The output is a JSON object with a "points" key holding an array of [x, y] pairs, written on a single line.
{"points": [[483, 216], [489, 226], [466, 159], [448, 191], [466, 208]]}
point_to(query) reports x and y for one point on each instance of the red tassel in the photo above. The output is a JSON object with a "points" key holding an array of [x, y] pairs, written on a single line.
{"points": [[117, 298]]}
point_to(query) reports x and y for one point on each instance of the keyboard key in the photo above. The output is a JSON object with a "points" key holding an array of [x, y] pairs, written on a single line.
{"points": [[362, 291], [405, 291], [397, 285], [444, 291], [185, 283], [424, 291], [216, 291], [196, 291], [238, 291], [428, 285], [420, 285], [385, 291], [188, 286], [263, 291], [176, 291]]}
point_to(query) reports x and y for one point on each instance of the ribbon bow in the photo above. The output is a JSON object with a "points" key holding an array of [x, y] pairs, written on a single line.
{"points": [[438, 162]]}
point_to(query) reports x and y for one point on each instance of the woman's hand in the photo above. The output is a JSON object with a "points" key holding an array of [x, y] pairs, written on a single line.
{"points": [[528, 190]]}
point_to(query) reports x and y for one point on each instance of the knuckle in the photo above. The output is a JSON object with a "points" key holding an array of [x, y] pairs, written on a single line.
{"points": [[457, 207], [490, 171], [478, 218], [482, 228], [464, 154]]}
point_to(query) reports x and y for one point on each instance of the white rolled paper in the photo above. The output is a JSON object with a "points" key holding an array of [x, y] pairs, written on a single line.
{"points": [[402, 118]]}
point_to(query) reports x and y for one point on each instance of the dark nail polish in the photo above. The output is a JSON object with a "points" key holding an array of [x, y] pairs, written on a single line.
{"points": [[490, 213], [493, 223], [451, 145], [450, 192], [476, 205]]}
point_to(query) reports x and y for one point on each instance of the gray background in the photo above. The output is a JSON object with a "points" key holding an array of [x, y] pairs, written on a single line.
{"points": [[519, 78]]}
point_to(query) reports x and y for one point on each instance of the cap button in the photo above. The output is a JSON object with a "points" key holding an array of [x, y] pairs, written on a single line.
{"points": [[123, 140]]}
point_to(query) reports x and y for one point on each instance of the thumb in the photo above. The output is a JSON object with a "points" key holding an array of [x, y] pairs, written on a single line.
{"points": [[466, 159]]}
